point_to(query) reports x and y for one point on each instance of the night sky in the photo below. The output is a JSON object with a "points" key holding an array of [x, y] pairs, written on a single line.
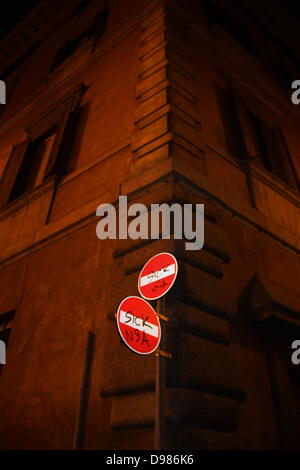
{"points": [[13, 10], [293, 6]]}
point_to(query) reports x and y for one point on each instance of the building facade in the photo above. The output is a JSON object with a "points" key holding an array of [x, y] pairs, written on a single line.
{"points": [[162, 101]]}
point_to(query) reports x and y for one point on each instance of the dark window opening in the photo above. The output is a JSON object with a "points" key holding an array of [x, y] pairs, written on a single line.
{"points": [[271, 148], [69, 149], [95, 30], [247, 29], [37, 151], [51, 149], [259, 140], [295, 386], [231, 124], [232, 21]]}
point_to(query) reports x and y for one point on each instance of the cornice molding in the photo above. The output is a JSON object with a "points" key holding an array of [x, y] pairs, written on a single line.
{"points": [[31, 28], [262, 175], [90, 217], [54, 87]]}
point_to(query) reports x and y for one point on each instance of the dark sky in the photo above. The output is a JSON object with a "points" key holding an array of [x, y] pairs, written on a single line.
{"points": [[293, 6], [12, 11]]}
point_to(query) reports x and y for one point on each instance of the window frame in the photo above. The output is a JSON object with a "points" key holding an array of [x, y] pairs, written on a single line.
{"points": [[91, 30], [244, 102], [266, 117], [56, 116]]}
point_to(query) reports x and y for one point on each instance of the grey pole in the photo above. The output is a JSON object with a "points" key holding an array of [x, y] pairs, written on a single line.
{"points": [[160, 385]]}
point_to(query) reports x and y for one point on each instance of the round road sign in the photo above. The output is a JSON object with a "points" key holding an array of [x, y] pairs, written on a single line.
{"points": [[157, 276], [138, 325]]}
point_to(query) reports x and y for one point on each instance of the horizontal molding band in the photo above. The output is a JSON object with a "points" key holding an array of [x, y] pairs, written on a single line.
{"points": [[206, 195]]}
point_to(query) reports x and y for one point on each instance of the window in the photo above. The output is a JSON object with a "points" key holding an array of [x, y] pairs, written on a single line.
{"points": [[231, 124], [34, 167], [240, 120], [6, 321], [44, 153], [94, 30], [294, 377], [234, 20], [256, 37], [271, 149]]}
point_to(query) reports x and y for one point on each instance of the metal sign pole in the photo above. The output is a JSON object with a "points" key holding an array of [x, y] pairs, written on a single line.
{"points": [[160, 385], [155, 280]]}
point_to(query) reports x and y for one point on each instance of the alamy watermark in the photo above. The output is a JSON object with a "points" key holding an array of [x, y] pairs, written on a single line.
{"points": [[2, 352], [2, 92], [183, 221], [296, 94], [296, 354]]}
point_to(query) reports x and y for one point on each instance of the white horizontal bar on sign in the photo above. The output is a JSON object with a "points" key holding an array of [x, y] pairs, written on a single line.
{"points": [[129, 319], [157, 275]]}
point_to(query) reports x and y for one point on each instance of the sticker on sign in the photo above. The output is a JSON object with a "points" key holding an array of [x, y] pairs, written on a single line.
{"points": [[157, 276], [138, 325]]}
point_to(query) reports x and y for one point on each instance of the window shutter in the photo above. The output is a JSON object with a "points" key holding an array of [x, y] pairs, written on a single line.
{"points": [[54, 166], [241, 111], [259, 139], [58, 139], [286, 158], [232, 129], [11, 171], [45, 153], [278, 154], [274, 153]]}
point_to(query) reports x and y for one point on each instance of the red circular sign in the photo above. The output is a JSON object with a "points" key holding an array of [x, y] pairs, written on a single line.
{"points": [[138, 325], [157, 276]]}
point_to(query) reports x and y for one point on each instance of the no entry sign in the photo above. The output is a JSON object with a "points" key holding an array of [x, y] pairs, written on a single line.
{"points": [[138, 325], [157, 276]]}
